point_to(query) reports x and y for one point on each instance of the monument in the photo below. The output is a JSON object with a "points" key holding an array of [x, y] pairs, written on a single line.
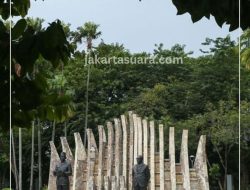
{"points": [[109, 164]]}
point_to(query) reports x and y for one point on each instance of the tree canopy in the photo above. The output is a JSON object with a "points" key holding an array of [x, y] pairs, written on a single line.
{"points": [[224, 11]]}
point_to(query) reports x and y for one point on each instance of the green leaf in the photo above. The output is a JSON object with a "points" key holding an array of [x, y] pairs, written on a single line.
{"points": [[21, 7], [18, 29]]}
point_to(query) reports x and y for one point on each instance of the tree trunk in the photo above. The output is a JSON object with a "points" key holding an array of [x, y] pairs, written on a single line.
{"points": [[2, 180], [4, 167], [20, 158], [13, 165], [225, 174], [87, 107], [219, 182], [32, 155], [39, 156], [245, 175], [65, 129], [54, 130]]}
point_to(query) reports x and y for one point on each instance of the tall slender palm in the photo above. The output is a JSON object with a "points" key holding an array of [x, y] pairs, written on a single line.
{"points": [[20, 159], [88, 31], [13, 161], [32, 155]]}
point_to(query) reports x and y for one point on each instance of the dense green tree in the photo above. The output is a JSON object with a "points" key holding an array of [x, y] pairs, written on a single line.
{"points": [[224, 11], [245, 110], [4, 75], [245, 144], [30, 43], [245, 49]]}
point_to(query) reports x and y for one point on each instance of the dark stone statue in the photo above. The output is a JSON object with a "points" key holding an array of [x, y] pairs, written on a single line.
{"points": [[141, 175], [62, 171]]}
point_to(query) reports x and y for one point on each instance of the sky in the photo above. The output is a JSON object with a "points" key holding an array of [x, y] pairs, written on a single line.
{"points": [[138, 25]]}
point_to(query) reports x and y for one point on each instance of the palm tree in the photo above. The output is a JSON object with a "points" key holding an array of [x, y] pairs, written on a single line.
{"points": [[35, 23], [88, 31]]}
